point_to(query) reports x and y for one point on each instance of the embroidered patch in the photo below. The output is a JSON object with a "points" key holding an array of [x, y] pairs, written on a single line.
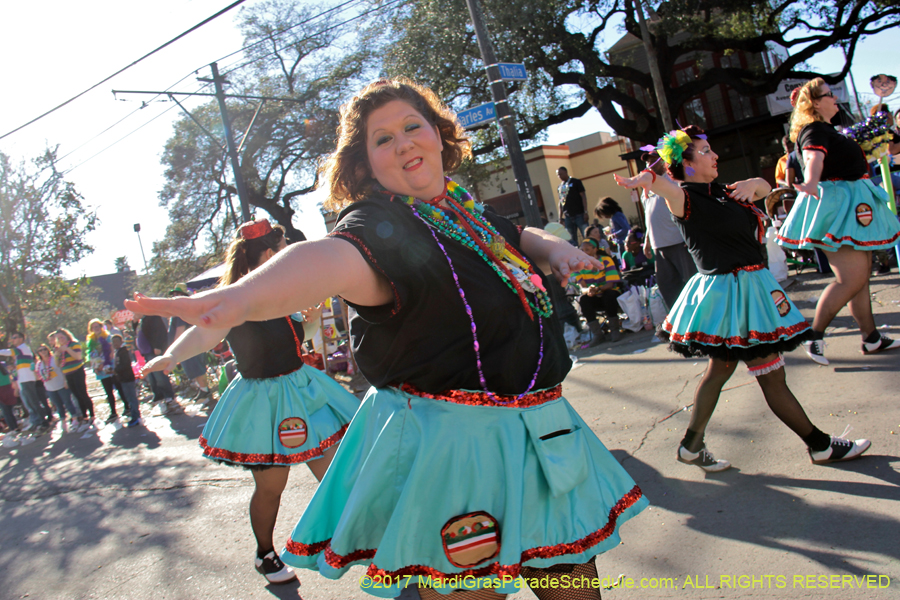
{"points": [[781, 302], [471, 539], [292, 432], [864, 214]]}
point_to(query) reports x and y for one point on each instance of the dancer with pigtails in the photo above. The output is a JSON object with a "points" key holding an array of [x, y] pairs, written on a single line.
{"points": [[733, 309], [277, 412]]}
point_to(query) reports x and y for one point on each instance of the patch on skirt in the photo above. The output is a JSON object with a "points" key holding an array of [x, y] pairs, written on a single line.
{"points": [[863, 214], [781, 302], [292, 432], [471, 539]]}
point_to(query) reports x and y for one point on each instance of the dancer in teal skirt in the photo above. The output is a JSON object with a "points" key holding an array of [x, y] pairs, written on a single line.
{"points": [[840, 211], [732, 309], [465, 467], [277, 412]]}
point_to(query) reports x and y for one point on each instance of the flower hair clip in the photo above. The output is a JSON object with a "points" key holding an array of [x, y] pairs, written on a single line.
{"points": [[671, 146]]}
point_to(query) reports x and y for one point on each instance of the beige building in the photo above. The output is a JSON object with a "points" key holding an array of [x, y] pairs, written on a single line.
{"points": [[593, 159]]}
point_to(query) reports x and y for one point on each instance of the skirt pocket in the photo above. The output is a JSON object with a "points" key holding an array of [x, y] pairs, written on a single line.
{"points": [[559, 445]]}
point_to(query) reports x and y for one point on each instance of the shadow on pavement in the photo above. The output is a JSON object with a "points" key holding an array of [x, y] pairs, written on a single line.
{"points": [[760, 509]]}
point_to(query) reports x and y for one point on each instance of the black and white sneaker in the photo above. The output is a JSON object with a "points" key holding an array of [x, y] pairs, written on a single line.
{"points": [[883, 343], [703, 459], [840, 449], [816, 351], [275, 571]]}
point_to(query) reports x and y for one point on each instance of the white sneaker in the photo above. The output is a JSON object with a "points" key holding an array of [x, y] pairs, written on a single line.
{"points": [[703, 459], [816, 351], [840, 449], [883, 343], [275, 571]]}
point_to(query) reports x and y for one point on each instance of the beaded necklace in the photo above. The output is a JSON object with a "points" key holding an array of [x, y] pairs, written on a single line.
{"points": [[464, 222]]}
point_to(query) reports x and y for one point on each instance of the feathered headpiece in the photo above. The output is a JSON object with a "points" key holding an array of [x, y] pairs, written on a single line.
{"points": [[671, 146]]}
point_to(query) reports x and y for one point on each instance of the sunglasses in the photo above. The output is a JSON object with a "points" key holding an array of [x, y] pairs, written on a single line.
{"points": [[826, 95]]}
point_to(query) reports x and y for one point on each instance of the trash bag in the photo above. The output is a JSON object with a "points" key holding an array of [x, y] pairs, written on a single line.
{"points": [[777, 259], [571, 336], [631, 305], [658, 310]]}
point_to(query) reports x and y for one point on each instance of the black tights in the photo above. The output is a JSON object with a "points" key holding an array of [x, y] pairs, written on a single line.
{"points": [[779, 397], [576, 586]]}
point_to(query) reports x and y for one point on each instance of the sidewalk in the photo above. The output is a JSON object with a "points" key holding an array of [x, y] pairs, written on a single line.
{"points": [[138, 513]]}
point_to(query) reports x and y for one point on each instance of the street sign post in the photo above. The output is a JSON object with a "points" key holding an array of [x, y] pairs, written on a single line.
{"points": [[512, 71], [477, 116]]}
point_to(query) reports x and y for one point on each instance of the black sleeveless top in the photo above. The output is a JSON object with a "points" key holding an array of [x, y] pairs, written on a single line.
{"points": [[265, 349], [424, 336], [721, 234]]}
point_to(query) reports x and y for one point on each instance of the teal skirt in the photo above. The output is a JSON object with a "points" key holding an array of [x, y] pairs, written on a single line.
{"points": [[847, 213], [283, 420], [429, 488], [741, 316]]}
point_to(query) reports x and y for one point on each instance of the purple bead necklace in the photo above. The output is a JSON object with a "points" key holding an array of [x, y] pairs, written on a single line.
{"points": [[462, 295]]}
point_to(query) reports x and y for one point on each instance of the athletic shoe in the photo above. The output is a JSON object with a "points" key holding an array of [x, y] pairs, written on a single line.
{"points": [[134, 423], [883, 343], [840, 449], [816, 351], [703, 459], [275, 571], [111, 419]]}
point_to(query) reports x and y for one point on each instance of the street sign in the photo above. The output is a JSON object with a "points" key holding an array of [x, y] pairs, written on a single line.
{"points": [[477, 116], [513, 71]]}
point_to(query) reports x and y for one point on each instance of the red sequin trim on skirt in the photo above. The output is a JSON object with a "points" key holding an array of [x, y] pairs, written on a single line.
{"points": [[748, 269], [244, 458], [715, 340], [837, 240], [484, 399], [339, 561]]}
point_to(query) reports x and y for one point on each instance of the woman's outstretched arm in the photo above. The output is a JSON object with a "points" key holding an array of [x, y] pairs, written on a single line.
{"points": [[656, 184], [296, 278]]}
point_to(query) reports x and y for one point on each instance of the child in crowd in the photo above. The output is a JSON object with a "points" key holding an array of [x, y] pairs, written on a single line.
{"points": [[124, 375]]}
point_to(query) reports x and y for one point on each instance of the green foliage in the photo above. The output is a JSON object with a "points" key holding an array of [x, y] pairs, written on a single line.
{"points": [[43, 228], [564, 43], [72, 313], [312, 70]]}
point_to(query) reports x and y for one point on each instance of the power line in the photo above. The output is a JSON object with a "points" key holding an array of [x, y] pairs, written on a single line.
{"points": [[170, 42], [336, 25], [359, 16]]}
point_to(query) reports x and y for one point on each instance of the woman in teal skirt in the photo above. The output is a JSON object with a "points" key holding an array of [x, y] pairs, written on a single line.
{"points": [[732, 309], [841, 211], [277, 412], [465, 467]]}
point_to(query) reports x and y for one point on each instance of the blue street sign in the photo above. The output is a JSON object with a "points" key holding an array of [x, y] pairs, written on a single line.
{"points": [[513, 71], [479, 115]]}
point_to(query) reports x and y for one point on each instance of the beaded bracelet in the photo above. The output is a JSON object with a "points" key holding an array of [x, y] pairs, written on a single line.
{"points": [[652, 174]]}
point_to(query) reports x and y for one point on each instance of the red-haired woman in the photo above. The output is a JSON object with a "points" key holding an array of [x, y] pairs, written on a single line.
{"points": [[733, 309], [464, 463]]}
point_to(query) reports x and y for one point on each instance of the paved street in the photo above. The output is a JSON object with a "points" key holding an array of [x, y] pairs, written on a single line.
{"points": [[138, 513]]}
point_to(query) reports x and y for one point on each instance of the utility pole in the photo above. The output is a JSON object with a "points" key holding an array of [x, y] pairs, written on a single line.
{"points": [[658, 88], [229, 139], [506, 118]]}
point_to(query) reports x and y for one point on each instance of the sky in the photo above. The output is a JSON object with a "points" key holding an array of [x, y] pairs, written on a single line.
{"points": [[56, 49]]}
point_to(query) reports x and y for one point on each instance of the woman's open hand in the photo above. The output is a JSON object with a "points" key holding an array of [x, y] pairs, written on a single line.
{"points": [[566, 259], [642, 179], [748, 190], [165, 362], [221, 308], [809, 188]]}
